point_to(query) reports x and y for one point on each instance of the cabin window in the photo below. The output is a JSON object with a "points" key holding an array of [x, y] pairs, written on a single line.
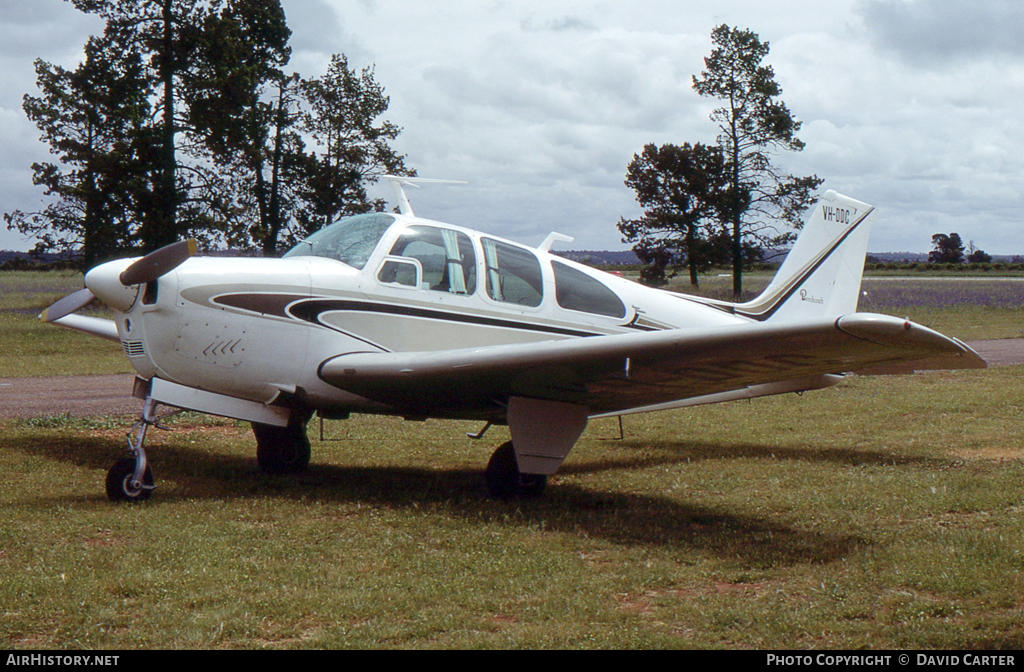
{"points": [[513, 274], [350, 240], [575, 290], [399, 272], [446, 256]]}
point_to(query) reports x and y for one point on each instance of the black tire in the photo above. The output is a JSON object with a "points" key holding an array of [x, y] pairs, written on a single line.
{"points": [[504, 480], [118, 482], [282, 450]]}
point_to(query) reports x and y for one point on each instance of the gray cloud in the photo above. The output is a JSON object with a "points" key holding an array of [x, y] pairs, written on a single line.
{"points": [[315, 26], [47, 29], [937, 31], [561, 24], [541, 104]]}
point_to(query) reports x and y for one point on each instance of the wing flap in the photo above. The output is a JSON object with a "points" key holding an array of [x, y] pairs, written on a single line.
{"points": [[615, 373]]}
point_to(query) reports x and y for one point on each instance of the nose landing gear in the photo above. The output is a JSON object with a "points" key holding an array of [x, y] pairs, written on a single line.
{"points": [[131, 478]]}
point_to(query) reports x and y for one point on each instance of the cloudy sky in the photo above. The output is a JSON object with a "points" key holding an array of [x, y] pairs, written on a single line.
{"points": [[911, 105]]}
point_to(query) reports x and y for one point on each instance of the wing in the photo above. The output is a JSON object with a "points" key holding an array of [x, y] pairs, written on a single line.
{"points": [[611, 374]]}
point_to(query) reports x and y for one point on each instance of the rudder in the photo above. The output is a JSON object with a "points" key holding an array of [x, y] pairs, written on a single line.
{"points": [[821, 275]]}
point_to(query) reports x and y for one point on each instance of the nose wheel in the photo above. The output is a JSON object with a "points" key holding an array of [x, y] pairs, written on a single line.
{"points": [[121, 482], [131, 478]]}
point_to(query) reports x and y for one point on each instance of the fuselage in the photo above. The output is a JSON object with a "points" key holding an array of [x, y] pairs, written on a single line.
{"points": [[259, 328]]}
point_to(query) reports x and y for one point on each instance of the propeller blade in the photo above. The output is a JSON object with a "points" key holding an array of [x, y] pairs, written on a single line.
{"points": [[158, 262], [67, 305]]}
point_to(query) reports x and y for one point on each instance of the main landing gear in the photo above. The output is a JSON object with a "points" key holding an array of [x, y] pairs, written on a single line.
{"points": [[283, 450], [505, 481], [131, 479], [543, 433]]}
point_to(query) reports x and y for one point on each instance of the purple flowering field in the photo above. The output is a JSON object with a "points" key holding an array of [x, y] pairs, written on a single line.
{"points": [[962, 306], [891, 292], [946, 292]]}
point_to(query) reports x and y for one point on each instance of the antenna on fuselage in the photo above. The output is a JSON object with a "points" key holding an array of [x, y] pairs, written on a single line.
{"points": [[399, 181], [554, 237]]}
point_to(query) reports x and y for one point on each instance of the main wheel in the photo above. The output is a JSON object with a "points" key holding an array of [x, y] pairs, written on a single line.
{"points": [[119, 488], [505, 481], [282, 450]]}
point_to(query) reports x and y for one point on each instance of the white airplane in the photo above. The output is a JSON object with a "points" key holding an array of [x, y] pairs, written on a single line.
{"points": [[398, 315]]}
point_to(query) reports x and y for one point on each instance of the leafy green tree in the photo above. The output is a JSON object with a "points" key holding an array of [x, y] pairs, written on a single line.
{"points": [[682, 190], [164, 33], [753, 125], [948, 249], [184, 123], [351, 147], [94, 120], [979, 257], [246, 107]]}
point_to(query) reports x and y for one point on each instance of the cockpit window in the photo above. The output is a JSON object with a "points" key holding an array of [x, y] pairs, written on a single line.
{"points": [[575, 290], [350, 240], [513, 274], [447, 258]]}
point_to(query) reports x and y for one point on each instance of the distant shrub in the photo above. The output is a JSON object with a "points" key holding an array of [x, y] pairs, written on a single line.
{"points": [[18, 264], [23, 264]]}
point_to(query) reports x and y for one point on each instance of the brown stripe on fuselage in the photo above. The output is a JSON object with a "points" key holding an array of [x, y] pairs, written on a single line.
{"points": [[267, 304]]}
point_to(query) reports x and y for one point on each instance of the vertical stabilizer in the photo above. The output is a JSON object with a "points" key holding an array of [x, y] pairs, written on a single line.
{"points": [[821, 274]]}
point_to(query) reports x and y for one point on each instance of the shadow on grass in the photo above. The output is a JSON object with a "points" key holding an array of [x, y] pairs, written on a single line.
{"points": [[663, 453], [193, 474]]}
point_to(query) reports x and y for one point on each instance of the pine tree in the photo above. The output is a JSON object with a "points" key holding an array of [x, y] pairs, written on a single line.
{"points": [[753, 125], [94, 120], [163, 32], [351, 146]]}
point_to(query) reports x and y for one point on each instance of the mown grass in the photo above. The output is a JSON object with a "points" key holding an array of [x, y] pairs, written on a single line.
{"points": [[29, 347], [882, 513]]}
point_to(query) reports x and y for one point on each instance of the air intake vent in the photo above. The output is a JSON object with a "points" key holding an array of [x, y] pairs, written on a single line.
{"points": [[134, 349]]}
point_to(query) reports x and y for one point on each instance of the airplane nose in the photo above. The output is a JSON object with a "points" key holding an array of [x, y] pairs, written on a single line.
{"points": [[104, 281]]}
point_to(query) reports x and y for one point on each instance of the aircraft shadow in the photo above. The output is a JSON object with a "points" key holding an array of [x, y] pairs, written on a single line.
{"points": [[663, 453], [626, 518]]}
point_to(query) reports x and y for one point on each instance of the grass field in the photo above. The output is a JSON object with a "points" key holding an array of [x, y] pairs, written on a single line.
{"points": [[31, 348], [881, 513], [885, 512]]}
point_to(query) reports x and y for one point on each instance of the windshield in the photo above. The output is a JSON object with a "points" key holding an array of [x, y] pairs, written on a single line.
{"points": [[350, 240]]}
